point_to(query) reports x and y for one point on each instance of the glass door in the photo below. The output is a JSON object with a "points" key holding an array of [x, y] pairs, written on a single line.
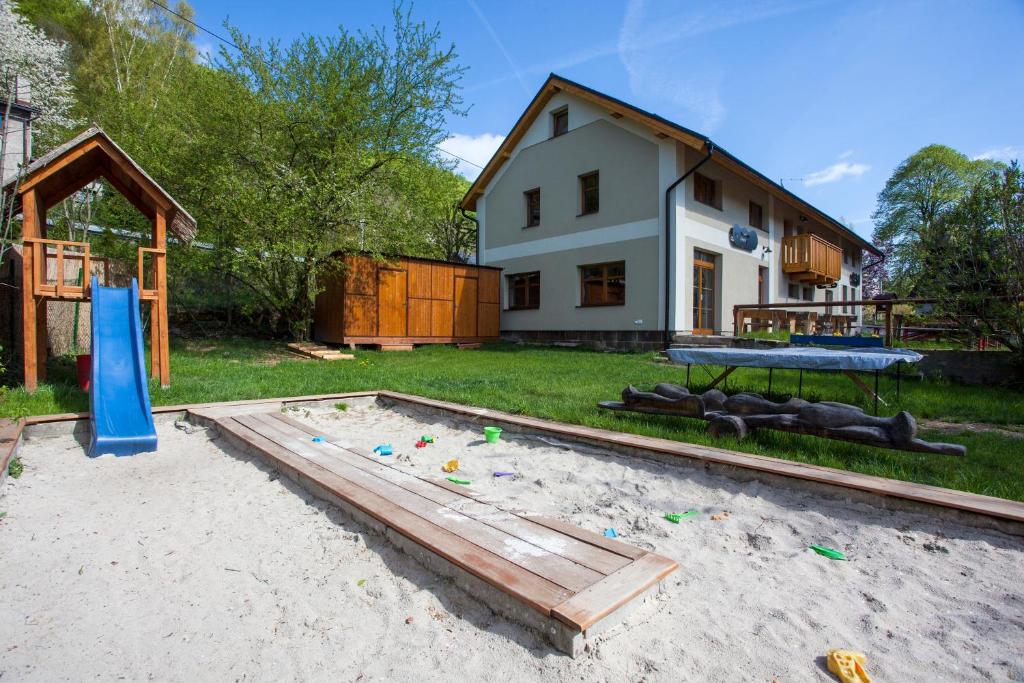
{"points": [[703, 292]]}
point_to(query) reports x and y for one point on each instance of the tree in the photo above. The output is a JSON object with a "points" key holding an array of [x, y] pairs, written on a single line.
{"points": [[309, 148], [973, 256], [32, 67], [432, 192], [921, 189]]}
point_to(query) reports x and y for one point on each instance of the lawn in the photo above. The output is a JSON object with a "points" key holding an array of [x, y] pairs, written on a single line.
{"points": [[565, 385]]}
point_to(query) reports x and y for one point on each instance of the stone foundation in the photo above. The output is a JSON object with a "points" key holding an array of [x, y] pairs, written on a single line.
{"points": [[617, 340]]}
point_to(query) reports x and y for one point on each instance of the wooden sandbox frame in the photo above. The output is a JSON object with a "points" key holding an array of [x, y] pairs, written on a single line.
{"points": [[968, 508]]}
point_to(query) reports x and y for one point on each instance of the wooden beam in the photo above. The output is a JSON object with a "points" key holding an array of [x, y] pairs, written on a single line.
{"points": [[30, 227], [160, 262], [127, 170], [47, 172], [129, 193], [721, 378]]}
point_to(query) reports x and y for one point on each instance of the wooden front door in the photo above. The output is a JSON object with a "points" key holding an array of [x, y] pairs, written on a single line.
{"points": [[465, 306], [762, 285], [703, 292], [391, 302]]}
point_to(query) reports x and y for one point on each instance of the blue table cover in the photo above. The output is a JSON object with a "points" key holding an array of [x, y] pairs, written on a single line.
{"points": [[806, 358]]}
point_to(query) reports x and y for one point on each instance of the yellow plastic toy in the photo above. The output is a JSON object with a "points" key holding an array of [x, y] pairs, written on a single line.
{"points": [[450, 466], [848, 666]]}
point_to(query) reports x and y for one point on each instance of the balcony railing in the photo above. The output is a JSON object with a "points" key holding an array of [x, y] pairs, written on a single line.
{"points": [[809, 258]]}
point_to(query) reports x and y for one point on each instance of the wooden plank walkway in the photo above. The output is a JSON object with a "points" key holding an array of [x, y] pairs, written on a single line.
{"points": [[572, 578]]}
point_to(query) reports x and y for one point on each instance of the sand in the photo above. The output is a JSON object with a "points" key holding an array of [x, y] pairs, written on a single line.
{"points": [[198, 563]]}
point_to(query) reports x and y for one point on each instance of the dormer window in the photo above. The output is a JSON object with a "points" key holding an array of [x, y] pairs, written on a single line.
{"points": [[560, 122]]}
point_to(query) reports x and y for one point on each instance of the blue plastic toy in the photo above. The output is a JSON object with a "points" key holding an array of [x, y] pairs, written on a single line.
{"points": [[383, 449], [121, 420], [318, 439], [610, 533]]}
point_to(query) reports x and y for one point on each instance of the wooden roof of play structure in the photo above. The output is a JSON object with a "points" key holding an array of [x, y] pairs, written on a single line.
{"points": [[87, 157]]}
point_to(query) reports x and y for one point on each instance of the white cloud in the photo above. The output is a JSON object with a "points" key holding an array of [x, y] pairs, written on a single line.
{"points": [[1008, 153], [836, 172], [477, 149]]}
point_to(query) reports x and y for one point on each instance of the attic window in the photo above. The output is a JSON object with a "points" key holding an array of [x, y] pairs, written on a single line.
{"points": [[560, 122]]}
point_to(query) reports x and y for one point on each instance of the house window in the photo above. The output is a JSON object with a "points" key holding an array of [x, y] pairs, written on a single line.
{"points": [[560, 122], [589, 194], [794, 291], [846, 292], [756, 216], [808, 293], [532, 207], [705, 190], [846, 256], [603, 284], [853, 297], [523, 290]]}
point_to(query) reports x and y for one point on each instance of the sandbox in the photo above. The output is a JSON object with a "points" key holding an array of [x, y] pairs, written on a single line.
{"points": [[199, 561]]}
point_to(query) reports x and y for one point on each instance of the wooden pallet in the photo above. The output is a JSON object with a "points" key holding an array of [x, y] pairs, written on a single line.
{"points": [[311, 350], [575, 582]]}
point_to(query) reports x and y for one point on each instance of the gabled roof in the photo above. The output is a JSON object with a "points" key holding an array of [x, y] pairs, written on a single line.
{"points": [[663, 128], [85, 158]]}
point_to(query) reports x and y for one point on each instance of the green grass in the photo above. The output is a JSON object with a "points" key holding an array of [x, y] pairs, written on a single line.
{"points": [[565, 385]]}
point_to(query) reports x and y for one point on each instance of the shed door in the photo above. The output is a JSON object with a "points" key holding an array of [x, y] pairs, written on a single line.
{"points": [[465, 307], [392, 302]]}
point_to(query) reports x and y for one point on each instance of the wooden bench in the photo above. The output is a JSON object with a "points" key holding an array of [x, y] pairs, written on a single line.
{"points": [[568, 582]]}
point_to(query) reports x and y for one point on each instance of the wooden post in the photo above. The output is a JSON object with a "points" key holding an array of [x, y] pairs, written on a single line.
{"points": [[30, 228], [888, 325], [160, 265]]}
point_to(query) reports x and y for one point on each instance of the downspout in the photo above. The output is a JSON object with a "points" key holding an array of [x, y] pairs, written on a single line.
{"points": [[710, 147], [466, 215]]}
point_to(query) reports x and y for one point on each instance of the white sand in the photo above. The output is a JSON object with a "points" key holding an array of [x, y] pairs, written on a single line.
{"points": [[196, 563]]}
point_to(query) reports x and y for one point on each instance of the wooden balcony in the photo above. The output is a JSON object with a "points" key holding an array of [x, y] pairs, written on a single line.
{"points": [[811, 259]]}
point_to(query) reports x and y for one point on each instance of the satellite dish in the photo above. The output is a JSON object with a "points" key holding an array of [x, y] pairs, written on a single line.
{"points": [[743, 238]]}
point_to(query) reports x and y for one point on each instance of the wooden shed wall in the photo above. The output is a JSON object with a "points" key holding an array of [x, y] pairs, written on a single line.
{"points": [[410, 301]]}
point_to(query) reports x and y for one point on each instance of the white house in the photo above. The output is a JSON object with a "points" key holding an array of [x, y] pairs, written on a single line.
{"points": [[615, 225]]}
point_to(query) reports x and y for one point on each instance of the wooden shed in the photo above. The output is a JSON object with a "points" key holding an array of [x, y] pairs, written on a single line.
{"points": [[405, 301]]}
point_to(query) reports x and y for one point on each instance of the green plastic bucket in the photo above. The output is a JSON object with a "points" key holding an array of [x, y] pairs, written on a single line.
{"points": [[492, 434]]}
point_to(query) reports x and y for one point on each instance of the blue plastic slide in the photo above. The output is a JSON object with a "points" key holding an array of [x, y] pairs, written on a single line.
{"points": [[122, 422]]}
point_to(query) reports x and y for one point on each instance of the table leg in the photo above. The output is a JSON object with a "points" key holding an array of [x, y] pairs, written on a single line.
{"points": [[728, 371], [865, 388]]}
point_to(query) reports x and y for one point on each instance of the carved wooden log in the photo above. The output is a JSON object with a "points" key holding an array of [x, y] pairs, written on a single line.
{"points": [[728, 425], [737, 415]]}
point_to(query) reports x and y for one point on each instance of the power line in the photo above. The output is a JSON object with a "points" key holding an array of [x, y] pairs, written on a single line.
{"points": [[198, 26], [232, 44]]}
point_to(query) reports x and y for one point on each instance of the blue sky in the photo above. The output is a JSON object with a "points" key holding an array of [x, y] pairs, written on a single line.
{"points": [[829, 96]]}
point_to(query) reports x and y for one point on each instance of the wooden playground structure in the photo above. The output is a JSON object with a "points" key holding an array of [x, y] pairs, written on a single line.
{"points": [[56, 176]]}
